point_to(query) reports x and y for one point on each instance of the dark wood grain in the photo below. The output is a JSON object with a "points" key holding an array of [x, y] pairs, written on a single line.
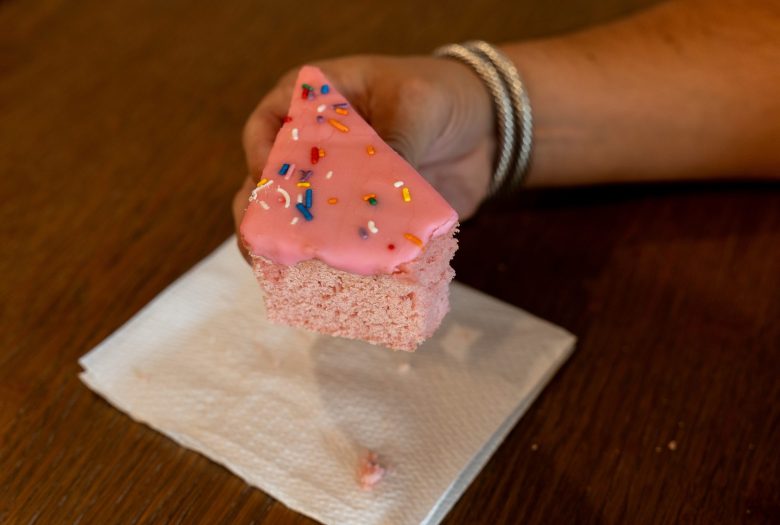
{"points": [[119, 154]]}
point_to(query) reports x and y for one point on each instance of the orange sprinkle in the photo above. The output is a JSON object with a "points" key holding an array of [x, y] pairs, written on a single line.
{"points": [[369, 196], [322, 152], [338, 125], [342, 111], [370, 150], [413, 239], [304, 184], [406, 194], [333, 200]]}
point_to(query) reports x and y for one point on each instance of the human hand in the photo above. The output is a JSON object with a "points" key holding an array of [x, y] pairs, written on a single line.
{"points": [[435, 112]]}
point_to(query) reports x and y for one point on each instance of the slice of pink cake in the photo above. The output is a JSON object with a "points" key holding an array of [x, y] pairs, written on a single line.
{"points": [[346, 238]]}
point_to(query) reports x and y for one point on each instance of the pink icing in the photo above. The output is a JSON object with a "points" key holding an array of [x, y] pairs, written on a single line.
{"points": [[352, 235]]}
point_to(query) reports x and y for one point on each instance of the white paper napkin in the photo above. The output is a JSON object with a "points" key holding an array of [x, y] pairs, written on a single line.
{"points": [[293, 413]]}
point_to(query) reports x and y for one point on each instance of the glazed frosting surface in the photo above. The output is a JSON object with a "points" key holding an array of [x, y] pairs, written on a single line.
{"points": [[333, 190]]}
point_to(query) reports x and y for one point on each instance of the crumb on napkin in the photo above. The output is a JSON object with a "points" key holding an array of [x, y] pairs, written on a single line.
{"points": [[370, 471]]}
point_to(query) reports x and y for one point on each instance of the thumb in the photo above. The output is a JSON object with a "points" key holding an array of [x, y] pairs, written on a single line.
{"points": [[407, 118], [264, 123]]}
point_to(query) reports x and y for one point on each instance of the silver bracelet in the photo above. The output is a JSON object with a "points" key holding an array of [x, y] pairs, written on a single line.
{"points": [[515, 131]]}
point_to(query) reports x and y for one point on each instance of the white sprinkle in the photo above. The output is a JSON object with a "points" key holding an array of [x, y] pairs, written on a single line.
{"points": [[253, 197], [290, 171], [294, 221], [285, 195], [329, 175], [321, 108], [300, 198], [264, 205], [372, 227], [295, 133], [398, 183]]}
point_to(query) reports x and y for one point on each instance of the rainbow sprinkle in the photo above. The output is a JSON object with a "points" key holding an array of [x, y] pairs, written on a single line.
{"points": [[338, 125], [295, 134], [283, 169], [363, 233], [322, 152], [315, 155], [329, 175], [325, 89], [370, 150], [320, 119], [407, 196], [264, 205], [262, 183], [398, 183], [306, 175], [370, 198], [413, 239], [342, 111], [303, 184], [308, 197], [304, 211], [372, 227], [333, 200], [321, 108], [307, 92]]}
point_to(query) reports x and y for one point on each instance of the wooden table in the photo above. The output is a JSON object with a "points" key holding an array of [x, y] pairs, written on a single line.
{"points": [[120, 151]]}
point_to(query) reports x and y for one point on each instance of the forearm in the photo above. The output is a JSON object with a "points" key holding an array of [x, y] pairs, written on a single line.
{"points": [[686, 90]]}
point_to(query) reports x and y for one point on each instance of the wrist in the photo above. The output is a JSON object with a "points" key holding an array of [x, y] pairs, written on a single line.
{"points": [[513, 116]]}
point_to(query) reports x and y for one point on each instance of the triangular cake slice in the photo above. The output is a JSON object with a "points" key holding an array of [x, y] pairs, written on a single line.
{"points": [[345, 236]]}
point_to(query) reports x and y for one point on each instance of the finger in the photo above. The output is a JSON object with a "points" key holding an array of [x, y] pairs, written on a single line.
{"points": [[264, 123], [240, 204]]}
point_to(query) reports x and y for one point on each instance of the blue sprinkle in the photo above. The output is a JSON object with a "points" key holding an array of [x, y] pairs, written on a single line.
{"points": [[308, 198], [305, 212], [325, 89], [363, 233], [283, 169]]}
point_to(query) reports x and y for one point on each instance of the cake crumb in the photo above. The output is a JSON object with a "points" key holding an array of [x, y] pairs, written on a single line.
{"points": [[404, 368], [672, 445], [370, 472], [534, 447]]}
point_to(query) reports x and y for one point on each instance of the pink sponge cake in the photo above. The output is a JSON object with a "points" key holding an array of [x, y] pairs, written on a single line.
{"points": [[345, 236]]}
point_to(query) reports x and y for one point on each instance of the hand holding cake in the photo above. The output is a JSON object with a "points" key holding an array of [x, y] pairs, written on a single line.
{"points": [[345, 237]]}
